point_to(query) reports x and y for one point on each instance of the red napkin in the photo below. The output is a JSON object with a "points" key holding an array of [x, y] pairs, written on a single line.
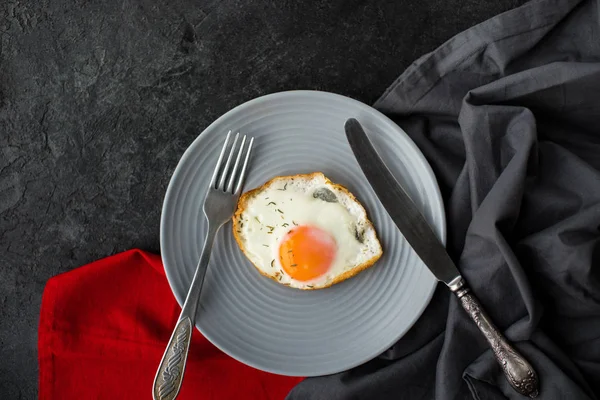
{"points": [[103, 330]]}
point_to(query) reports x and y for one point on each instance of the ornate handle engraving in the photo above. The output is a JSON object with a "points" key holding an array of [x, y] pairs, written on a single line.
{"points": [[518, 371], [170, 372]]}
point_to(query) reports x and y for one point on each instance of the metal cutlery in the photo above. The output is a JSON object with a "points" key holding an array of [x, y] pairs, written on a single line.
{"points": [[413, 226], [219, 205]]}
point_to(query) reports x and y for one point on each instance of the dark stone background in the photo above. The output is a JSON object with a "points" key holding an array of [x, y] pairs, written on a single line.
{"points": [[99, 99]]}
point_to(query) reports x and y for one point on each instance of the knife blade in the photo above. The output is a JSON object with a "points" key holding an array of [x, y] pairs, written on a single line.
{"points": [[418, 233], [400, 206]]}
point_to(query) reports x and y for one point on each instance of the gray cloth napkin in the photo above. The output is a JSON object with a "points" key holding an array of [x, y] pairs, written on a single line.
{"points": [[508, 115]]}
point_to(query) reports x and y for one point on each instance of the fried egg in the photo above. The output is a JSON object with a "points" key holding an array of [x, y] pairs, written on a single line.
{"points": [[305, 232]]}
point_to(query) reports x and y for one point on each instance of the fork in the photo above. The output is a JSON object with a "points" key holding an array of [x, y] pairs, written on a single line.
{"points": [[219, 205]]}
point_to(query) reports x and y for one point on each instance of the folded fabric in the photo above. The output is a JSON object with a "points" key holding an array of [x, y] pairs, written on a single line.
{"points": [[103, 330], [507, 113]]}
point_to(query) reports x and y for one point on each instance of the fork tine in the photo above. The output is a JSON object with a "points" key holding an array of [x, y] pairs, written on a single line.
{"points": [[225, 171], [235, 166], [243, 173], [214, 175]]}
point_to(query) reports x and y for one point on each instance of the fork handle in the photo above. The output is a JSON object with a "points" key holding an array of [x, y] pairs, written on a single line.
{"points": [[172, 366]]}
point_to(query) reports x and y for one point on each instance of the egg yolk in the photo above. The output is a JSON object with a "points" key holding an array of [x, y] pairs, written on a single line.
{"points": [[307, 252]]}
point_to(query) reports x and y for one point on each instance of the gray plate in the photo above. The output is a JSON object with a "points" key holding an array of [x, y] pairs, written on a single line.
{"points": [[260, 322]]}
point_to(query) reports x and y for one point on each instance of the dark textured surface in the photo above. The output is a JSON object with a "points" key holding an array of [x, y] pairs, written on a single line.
{"points": [[99, 99]]}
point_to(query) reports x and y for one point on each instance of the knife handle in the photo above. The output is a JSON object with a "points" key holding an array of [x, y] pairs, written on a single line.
{"points": [[519, 373]]}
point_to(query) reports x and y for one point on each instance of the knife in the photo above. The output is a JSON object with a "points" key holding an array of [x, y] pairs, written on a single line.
{"points": [[417, 232]]}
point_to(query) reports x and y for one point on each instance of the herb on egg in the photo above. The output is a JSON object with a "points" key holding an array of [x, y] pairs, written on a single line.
{"points": [[284, 187], [359, 234], [285, 224], [272, 202], [272, 262], [279, 211], [257, 220], [265, 245], [325, 195], [294, 222], [310, 286]]}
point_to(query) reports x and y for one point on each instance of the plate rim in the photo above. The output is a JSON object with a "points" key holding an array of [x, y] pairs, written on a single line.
{"points": [[261, 99]]}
